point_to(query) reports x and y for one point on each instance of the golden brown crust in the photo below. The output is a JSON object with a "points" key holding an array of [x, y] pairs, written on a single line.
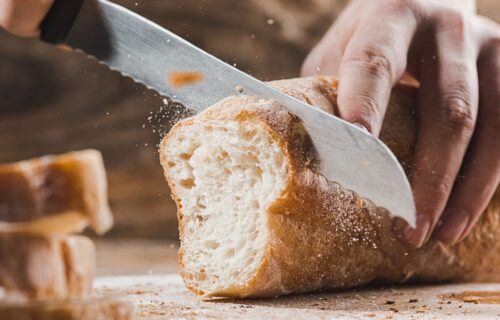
{"points": [[323, 236], [86, 309], [281, 124], [55, 194], [38, 267]]}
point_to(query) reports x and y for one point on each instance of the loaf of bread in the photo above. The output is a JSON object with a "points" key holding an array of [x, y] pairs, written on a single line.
{"points": [[55, 194], [256, 220], [85, 309], [40, 267]]}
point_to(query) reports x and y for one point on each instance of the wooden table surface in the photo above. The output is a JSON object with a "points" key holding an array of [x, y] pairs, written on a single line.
{"points": [[145, 273]]}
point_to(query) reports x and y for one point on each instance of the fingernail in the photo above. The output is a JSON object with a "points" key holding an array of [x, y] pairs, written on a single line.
{"points": [[417, 236], [454, 227], [362, 127]]}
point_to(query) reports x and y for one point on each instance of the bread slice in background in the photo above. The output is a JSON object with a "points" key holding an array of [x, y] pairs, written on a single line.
{"points": [[84, 309], [256, 219], [55, 194], [40, 267]]}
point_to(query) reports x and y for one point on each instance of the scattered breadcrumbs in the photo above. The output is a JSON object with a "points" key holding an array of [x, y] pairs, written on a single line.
{"points": [[136, 292], [359, 203], [488, 297], [184, 78]]}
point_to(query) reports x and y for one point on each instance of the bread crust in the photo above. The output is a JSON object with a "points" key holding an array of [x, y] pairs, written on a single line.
{"points": [[85, 309], [323, 236], [38, 267], [55, 194]]}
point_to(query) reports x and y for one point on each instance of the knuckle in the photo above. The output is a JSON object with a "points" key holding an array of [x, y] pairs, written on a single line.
{"points": [[400, 4], [457, 21], [452, 16], [457, 113], [439, 184], [403, 6], [375, 62]]}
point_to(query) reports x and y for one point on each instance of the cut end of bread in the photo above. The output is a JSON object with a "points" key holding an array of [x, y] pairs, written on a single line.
{"points": [[224, 175], [40, 267], [257, 219], [55, 194]]}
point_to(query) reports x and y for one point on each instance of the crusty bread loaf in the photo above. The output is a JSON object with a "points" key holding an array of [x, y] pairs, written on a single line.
{"points": [[39, 267], [55, 194], [85, 309], [256, 220]]}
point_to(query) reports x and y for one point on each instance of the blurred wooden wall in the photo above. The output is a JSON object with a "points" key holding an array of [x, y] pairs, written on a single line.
{"points": [[52, 101]]}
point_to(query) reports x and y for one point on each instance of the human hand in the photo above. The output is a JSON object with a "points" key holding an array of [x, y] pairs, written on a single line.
{"points": [[23, 17], [455, 55]]}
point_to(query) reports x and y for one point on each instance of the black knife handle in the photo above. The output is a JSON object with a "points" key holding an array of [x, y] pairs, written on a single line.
{"points": [[59, 20]]}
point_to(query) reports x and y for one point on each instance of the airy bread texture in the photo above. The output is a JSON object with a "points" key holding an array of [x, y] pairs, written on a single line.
{"points": [[256, 220], [39, 267], [55, 194], [85, 309], [226, 167]]}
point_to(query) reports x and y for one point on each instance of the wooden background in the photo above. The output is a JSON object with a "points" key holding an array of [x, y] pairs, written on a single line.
{"points": [[52, 101]]}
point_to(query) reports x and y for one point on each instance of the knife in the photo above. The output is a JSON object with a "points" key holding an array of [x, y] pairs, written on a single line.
{"points": [[146, 52]]}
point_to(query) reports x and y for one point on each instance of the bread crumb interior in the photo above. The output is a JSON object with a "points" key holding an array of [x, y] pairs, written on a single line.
{"points": [[226, 174]]}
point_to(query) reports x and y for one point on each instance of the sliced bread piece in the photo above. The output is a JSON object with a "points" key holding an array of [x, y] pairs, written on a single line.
{"points": [[55, 194], [257, 220], [39, 267], [84, 309]]}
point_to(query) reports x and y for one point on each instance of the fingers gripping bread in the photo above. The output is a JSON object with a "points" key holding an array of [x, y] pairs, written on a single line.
{"points": [[39, 267], [256, 219], [55, 194]]}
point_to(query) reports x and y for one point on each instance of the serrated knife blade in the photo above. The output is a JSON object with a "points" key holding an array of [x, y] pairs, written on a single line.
{"points": [[148, 53]]}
